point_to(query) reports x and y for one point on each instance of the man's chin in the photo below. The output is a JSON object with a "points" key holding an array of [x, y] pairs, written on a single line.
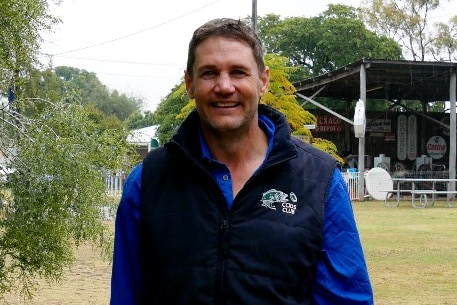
{"points": [[225, 126]]}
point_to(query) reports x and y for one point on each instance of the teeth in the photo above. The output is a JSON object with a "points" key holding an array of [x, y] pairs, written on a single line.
{"points": [[225, 104]]}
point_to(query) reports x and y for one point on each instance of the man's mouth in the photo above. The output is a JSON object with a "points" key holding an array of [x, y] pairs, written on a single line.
{"points": [[225, 105]]}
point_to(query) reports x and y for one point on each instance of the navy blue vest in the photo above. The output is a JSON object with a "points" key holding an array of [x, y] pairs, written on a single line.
{"points": [[263, 251]]}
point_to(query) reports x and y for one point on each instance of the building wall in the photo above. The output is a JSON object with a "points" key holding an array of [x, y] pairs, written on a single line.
{"points": [[384, 134]]}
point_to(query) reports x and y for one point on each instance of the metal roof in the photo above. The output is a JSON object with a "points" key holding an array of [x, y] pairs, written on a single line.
{"points": [[142, 135], [385, 79]]}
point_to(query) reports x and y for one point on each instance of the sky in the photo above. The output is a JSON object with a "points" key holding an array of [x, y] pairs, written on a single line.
{"points": [[139, 47]]}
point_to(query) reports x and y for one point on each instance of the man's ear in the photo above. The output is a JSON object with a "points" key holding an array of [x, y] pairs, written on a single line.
{"points": [[189, 88], [264, 81]]}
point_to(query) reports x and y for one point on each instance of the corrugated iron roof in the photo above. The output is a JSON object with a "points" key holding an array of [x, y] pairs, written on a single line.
{"points": [[385, 79]]}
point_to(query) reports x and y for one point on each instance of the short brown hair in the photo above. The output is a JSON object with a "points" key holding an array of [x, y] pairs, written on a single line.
{"points": [[226, 27]]}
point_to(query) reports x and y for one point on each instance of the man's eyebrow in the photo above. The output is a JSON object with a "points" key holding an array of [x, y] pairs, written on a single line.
{"points": [[215, 67], [208, 66]]}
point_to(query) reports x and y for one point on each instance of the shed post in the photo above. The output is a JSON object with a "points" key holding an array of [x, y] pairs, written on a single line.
{"points": [[452, 128], [361, 161]]}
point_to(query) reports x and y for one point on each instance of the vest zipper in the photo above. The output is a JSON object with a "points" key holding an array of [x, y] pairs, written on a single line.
{"points": [[223, 253]]}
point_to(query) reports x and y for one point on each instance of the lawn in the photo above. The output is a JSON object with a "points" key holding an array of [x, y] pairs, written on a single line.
{"points": [[411, 256], [411, 253]]}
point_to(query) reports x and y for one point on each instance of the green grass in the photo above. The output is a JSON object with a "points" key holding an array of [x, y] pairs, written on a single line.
{"points": [[411, 253], [411, 256]]}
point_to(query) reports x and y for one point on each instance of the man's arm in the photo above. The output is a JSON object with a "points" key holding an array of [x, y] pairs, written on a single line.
{"points": [[126, 284], [342, 276]]}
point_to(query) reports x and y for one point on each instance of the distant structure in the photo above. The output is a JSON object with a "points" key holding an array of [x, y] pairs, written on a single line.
{"points": [[144, 139]]}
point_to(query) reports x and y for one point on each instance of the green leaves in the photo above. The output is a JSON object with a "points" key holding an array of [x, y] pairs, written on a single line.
{"points": [[53, 200], [409, 23], [323, 43], [21, 22]]}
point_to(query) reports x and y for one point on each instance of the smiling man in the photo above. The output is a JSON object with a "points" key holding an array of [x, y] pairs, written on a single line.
{"points": [[233, 210]]}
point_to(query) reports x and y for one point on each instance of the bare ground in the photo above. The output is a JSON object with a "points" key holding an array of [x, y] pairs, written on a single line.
{"points": [[87, 282]]}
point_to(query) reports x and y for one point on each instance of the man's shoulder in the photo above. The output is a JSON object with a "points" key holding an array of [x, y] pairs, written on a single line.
{"points": [[314, 152], [156, 157], [156, 153]]}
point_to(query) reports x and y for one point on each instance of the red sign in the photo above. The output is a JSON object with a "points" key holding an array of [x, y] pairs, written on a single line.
{"points": [[328, 123], [436, 147], [389, 137]]}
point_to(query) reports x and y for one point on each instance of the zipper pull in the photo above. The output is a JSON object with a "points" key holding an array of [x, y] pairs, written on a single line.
{"points": [[224, 225], [223, 241]]}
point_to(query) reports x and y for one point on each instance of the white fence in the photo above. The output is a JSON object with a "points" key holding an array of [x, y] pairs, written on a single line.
{"points": [[114, 183], [352, 183]]}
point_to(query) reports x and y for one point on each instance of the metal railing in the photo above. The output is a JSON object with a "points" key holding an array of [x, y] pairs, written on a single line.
{"points": [[352, 183], [352, 179], [114, 183]]}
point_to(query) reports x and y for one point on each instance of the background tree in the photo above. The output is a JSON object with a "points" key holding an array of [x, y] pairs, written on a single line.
{"points": [[42, 85], [91, 90], [166, 113], [445, 40], [51, 203], [77, 86], [329, 41], [409, 23], [140, 120], [281, 96], [59, 145], [21, 22]]}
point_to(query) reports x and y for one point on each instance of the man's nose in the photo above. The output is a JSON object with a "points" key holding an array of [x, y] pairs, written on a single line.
{"points": [[224, 83]]}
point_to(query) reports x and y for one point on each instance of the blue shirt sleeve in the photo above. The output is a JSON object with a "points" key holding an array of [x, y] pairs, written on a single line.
{"points": [[342, 276], [126, 284]]}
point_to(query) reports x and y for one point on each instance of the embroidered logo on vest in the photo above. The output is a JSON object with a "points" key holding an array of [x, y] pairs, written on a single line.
{"points": [[273, 197]]}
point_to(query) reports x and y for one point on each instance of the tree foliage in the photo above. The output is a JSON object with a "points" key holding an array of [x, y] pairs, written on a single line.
{"points": [[138, 120], [77, 86], [326, 42], [409, 23], [445, 44], [21, 22], [90, 90], [281, 96], [52, 201], [58, 143], [167, 111]]}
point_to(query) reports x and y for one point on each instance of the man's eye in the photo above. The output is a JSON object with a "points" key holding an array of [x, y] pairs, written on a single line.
{"points": [[208, 73], [238, 73]]}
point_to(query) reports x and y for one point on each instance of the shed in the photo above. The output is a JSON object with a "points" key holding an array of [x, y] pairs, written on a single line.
{"points": [[397, 81]]}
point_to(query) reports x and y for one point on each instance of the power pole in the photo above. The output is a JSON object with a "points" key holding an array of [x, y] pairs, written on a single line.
{"points": [[254, 15]]}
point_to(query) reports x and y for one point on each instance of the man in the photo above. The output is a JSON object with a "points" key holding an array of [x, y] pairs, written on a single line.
{"points": [[233, 210]]}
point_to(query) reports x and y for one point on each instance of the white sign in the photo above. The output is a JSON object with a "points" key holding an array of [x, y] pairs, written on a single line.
{"points": [[412, 138], [436, 147], [401, 141]]}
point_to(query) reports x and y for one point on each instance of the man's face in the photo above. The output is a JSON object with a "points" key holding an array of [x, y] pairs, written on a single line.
{"points": [[226, 84]]}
